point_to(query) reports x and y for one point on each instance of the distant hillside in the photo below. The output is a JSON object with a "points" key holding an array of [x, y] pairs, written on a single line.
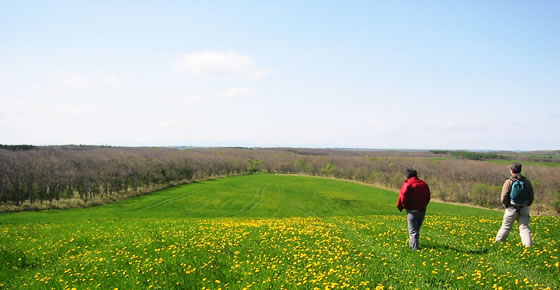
{"points": [[81, 176]]}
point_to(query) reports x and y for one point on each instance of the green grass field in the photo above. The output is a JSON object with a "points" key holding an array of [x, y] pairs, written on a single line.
{"points": [[269, 231]]}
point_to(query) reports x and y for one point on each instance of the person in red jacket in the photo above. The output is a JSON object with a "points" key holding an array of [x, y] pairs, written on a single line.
{"points": [[414, 197]]}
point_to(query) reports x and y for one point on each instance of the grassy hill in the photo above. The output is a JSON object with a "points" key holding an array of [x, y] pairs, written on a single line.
{"points": [[261, 195], [263, 231]]}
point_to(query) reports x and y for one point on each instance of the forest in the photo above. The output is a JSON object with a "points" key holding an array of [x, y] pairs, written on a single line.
{"points": [[43, 177]]}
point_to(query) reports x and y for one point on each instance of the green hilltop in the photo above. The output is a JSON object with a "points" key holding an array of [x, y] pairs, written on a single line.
{"points": [[259, 195]]}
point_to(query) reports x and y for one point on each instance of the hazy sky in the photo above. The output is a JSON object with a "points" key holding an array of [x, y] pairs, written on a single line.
{"points": [[368, 74]]}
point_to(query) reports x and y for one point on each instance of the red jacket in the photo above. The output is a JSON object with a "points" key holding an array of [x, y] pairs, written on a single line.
{"points": [[415, 195]]}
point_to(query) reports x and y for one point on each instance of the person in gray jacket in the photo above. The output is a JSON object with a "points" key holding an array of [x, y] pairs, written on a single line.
{"points": [[516, 211]]}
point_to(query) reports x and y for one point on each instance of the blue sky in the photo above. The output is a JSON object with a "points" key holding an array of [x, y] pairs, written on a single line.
{"points": [[364, 74]]}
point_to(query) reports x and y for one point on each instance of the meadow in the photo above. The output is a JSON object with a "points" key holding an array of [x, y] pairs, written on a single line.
{"points": [[270, 231]]}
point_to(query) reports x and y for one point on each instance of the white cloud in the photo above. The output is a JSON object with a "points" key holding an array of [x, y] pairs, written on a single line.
{"points": [[33, 111], [216, 64], [176, 124], [437, 126], [517, 124], [450, 125], [258, 75], [374, 123], [194, 98], [74, 81], [114, 82], [235, 92]]}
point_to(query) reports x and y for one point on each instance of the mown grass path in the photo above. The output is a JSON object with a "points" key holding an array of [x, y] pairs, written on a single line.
{"points": [[268, 231]]}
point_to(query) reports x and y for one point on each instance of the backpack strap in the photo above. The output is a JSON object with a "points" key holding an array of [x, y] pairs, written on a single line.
{"points": [[509, 192], [512, 181]]}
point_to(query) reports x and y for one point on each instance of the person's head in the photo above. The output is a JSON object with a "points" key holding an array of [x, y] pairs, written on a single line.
{"points": [[411, 173], [515, 168]]}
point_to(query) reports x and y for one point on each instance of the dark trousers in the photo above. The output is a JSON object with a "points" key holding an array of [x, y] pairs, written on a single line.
{"points": [[415, 219]]}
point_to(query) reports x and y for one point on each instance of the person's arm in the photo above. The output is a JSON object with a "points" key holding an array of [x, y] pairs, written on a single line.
{"points": [[505, 193], [429, 194], [401, 202], [531, 193]]}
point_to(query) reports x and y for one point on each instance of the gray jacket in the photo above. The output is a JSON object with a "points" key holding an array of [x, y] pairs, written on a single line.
{"points": [[506, 189]]}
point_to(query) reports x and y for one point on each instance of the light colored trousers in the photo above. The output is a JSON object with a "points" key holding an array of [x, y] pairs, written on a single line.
{"points": [[522, 217], [415, 220]]}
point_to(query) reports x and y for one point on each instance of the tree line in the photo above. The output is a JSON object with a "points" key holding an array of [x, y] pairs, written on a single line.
{"points": [[471, 155], [70, 176]]}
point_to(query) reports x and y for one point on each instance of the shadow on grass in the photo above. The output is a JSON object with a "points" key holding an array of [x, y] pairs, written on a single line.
{"points": [[455, 249]]}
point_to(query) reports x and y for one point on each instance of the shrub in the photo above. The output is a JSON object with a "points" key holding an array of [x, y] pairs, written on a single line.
{"points": [[485, 195], [556, 202]]}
